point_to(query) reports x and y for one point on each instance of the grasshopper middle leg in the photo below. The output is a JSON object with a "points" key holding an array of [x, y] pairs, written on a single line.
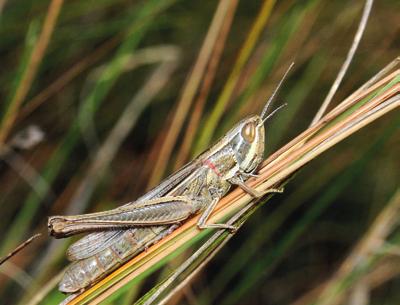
{"points": [[202, 223]]}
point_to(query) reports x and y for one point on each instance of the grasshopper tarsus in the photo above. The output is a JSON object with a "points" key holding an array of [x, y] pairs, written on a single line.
{"points": [[279, 190], [218, 226], [271, 191]]}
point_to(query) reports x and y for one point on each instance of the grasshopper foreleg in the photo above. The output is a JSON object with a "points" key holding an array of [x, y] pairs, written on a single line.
{"points": [[238, 180]]}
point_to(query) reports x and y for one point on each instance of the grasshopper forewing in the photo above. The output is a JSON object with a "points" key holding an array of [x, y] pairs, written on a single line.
{"points": [[123, 232]]}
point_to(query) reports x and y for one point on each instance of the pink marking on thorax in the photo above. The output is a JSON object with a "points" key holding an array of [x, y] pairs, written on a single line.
{"points": [[212, 166]]}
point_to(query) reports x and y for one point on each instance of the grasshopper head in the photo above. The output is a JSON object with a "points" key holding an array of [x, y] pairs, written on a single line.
{"points": [[248, 143], [249, 135], [249, 140]]}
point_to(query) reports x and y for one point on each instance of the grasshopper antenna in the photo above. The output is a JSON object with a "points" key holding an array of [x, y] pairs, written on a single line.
{"points": [[273, 112], [271, 99]]}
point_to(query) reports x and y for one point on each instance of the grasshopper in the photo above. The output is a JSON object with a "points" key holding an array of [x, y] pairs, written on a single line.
{"points": [[119, 234]]}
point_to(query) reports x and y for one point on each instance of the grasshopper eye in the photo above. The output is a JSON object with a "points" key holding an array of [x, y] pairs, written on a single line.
{"points": [[249, 132]]}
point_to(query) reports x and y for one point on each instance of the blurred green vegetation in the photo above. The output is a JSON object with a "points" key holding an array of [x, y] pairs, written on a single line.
{"points": [[86, 80]]}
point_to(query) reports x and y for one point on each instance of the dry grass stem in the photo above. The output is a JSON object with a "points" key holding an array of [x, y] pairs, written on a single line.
{"points": [[67, 77], [31, 69], [233, 79], [167, 57], [45, 289], [190, 88], [194, 121], [356, 41], [18, 275]]}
